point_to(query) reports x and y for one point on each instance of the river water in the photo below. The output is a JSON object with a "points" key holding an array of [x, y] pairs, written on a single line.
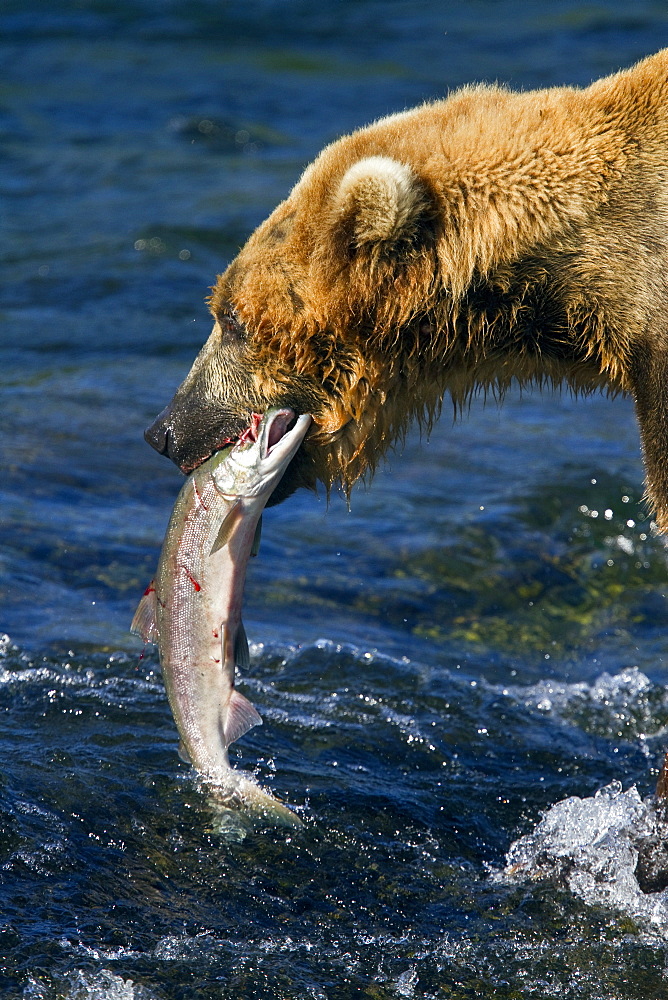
{"points": [[464, 678]]}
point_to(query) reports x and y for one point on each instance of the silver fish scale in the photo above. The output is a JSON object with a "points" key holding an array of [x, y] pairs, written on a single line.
{"points": [[194, 607], [192, 653]]}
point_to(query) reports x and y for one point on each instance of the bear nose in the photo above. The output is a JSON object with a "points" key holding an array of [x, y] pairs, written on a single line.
{"points": [[157, 434]]}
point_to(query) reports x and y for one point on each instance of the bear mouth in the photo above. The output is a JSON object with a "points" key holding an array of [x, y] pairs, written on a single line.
{"points": [[281, 422], [190, 442]]}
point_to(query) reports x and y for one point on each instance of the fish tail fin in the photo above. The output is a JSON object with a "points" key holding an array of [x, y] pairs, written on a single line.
{"points": [[241, 716], [144, 623]]}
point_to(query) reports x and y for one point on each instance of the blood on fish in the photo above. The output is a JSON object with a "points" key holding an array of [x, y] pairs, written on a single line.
{"points": [[198, 497], [250, 434], [209, 711]]}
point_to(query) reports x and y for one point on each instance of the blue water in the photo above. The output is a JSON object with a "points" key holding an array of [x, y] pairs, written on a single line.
{"points": [[481, 636]]}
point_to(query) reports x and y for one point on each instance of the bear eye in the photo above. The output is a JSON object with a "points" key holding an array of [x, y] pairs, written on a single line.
{"points": [[231, 329]]}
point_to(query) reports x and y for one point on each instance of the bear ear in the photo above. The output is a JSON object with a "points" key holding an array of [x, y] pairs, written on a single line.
{"points": [[379, 201]]}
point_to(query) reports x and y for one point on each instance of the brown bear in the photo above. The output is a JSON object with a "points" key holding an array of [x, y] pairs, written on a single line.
{"points": [[487, 237]]}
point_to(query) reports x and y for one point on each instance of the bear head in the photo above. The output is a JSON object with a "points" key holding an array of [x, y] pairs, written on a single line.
{"points": [[323, 311]]}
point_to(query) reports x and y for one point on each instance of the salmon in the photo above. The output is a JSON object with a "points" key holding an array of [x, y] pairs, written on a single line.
{"points": [[192, 608]]}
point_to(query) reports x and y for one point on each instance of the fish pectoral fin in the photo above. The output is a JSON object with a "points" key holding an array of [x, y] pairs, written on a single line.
{"points": [[241, 716], [144, 623], [227, 527], [183, 753]]}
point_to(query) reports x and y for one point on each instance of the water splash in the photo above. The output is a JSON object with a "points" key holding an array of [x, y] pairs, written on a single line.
{"points": [[103, 985], [593, 846]]}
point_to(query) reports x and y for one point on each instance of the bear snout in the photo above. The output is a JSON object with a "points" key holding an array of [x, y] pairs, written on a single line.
{"points": [[157, 433], [189, 434]]}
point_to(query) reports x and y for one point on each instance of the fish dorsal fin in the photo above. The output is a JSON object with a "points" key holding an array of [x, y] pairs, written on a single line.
{"points": [[230, 521], [241, 653], [145, 622], [241, 716], [255, 547]]}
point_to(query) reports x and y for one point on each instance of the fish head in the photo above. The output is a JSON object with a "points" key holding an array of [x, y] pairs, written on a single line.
{"points": [[256, 463]]}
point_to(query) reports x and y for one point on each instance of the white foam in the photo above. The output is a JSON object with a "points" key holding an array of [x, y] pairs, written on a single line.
{"points": [[627, 704], [549, 695], [103, 985], [7, 647], [591, 846]]}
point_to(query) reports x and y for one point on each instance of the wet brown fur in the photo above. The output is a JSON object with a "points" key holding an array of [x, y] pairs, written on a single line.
{"points": [[501, 236]]}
